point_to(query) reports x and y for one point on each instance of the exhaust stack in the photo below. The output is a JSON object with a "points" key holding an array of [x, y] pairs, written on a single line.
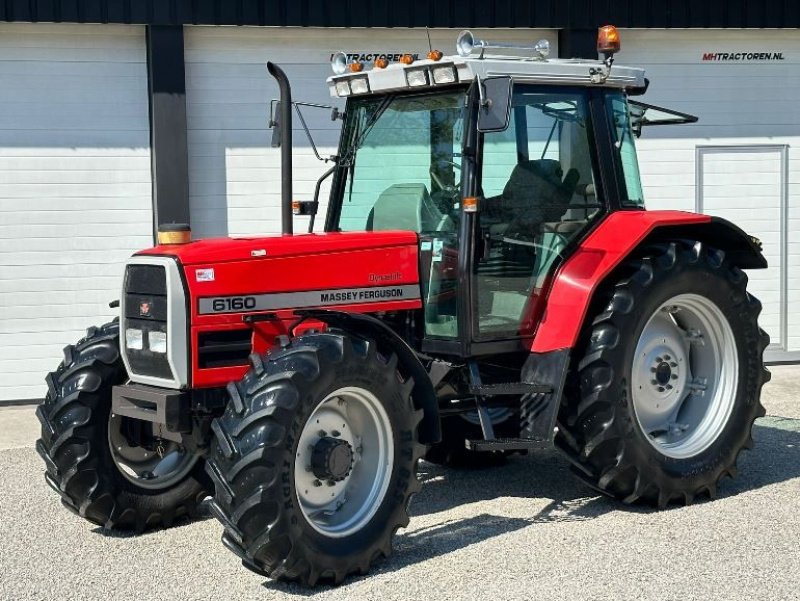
{"points": [[285, 117]]}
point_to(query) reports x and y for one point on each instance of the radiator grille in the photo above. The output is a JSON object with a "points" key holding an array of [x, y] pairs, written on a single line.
{"points": [[225, 348]]}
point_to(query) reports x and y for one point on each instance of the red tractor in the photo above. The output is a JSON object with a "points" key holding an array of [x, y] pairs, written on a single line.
{"points": [[487, 281]]}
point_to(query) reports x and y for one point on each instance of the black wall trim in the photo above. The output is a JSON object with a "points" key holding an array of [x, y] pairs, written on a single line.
{"points": [[577, 43], [169, 155], [570, 14]]}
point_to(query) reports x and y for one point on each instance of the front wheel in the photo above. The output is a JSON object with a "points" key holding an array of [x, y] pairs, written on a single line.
{"points": [[109, 469], [669, 384], [315, 459]]}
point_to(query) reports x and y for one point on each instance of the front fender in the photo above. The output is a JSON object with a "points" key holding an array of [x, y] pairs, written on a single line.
{"points": [[616, 238], [423, 394]]}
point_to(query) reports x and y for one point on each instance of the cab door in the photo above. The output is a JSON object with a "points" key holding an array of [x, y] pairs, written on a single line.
{"points": [[539, 194]]}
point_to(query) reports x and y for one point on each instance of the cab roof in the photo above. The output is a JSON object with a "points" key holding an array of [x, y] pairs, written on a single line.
{"points": [[544, 71]]}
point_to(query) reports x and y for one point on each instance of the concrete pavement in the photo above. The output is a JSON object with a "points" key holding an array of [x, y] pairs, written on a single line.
{"points": [[527, 530]]}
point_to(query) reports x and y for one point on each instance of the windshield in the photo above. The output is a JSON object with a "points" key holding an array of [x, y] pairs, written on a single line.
{"points": [[402, 163]]}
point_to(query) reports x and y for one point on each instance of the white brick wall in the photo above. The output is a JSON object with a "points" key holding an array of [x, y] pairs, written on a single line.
{"points": [[75, 198], [740, 104], [235, 175]]}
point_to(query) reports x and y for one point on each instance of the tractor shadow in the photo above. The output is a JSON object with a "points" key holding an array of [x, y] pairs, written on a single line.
{"points": [[203, 515], [546, 475]]}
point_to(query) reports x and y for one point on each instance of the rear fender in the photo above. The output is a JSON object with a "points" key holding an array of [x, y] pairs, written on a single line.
{"points": [[616, 238], [423, 394], [740, 248]]}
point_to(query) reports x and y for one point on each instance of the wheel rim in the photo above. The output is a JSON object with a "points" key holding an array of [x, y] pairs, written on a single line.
{"points": [[154, 469], [685, 375], [349, 425]]}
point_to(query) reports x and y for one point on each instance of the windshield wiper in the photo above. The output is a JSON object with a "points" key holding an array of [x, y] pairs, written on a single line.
{"points": [[350, 154], [348, 161]]}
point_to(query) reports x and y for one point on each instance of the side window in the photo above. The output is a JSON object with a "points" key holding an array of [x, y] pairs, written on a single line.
{"points": [[538, 195], [624, 142]]}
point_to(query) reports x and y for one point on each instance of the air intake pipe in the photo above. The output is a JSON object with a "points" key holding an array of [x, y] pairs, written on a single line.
{"points": [[285, 120]]}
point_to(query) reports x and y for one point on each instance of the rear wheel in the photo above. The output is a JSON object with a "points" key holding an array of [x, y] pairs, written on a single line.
{"points": [[314, 459], [670, 380], [92, 458]]}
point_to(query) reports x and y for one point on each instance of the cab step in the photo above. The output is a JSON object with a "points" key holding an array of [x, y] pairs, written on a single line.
{"points": [[506, 444], [538, 403]]}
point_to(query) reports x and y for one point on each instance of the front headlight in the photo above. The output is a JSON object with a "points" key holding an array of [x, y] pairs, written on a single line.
{"points": [[134, 339], [157, 341]]}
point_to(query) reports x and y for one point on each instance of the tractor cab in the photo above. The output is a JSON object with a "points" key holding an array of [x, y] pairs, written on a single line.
{"points": [[500, 159]]}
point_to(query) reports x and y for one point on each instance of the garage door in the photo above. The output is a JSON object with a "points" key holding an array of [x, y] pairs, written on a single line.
{"points": [[234, 174], [724, 191], [740, 160], [75, 190]]}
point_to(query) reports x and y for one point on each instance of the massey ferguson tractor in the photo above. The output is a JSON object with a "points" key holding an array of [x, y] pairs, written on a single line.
{"points": [[487, 281]]}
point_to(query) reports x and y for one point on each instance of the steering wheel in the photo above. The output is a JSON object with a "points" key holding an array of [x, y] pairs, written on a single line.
{"points": [[438, 180], [447, 193]]}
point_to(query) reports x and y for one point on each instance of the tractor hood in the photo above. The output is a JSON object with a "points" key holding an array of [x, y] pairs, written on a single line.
{"points": [[246, 290], [227, 277], [220, 250]]}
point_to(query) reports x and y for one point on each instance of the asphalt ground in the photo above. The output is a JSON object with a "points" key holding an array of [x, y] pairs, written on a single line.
{"points": [[527, 530]]}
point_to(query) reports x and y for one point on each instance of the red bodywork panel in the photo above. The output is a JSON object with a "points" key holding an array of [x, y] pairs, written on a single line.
{"points": [[365, 260], [285, 264], [577, 279]]}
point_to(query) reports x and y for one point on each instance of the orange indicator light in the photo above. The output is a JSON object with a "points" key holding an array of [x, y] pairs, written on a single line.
{"points": [[608, 40]]}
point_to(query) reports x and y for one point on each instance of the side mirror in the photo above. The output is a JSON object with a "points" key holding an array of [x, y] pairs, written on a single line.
{"points": [[495, 111]]}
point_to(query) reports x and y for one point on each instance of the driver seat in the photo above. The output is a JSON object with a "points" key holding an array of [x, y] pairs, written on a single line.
{"points": [[536, 193]]}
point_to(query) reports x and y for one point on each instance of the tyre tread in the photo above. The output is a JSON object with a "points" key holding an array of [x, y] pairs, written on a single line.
{"points": [[75, 392]]}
